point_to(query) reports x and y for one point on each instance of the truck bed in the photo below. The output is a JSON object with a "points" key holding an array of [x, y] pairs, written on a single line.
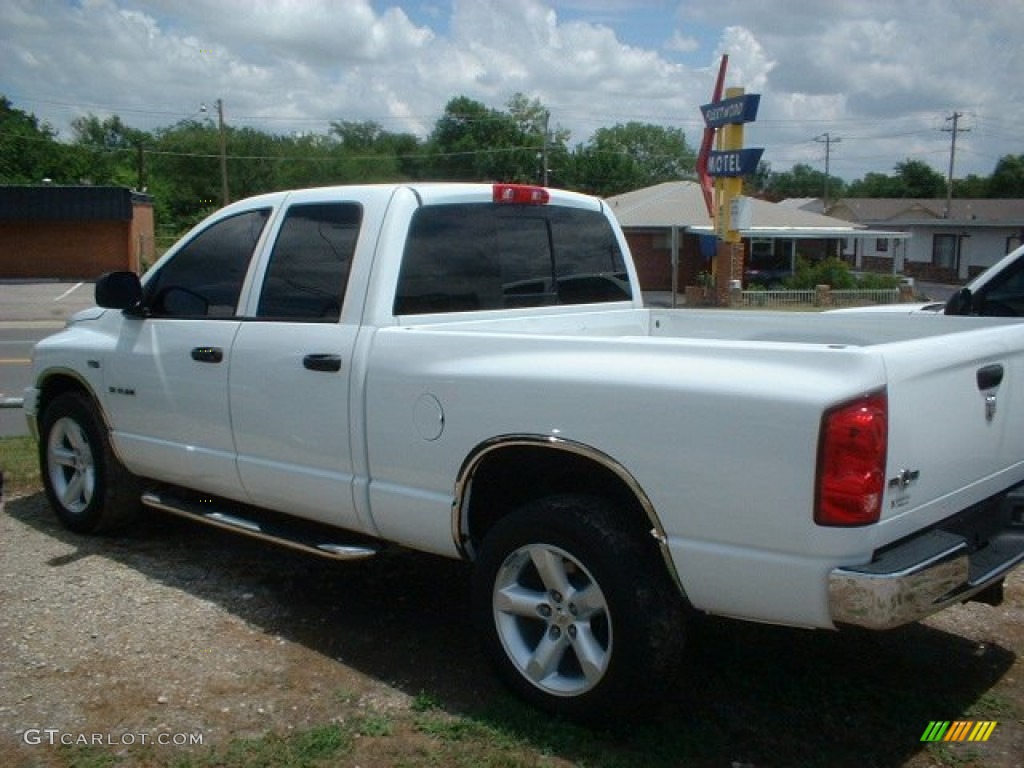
{"points": [[832, 329], [733, 401]]}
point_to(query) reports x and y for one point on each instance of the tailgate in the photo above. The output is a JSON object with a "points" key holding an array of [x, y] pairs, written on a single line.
{"points": [[956, 407]]}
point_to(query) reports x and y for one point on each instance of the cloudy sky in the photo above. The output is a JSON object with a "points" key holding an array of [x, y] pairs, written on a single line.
{"points": [[880, 78]]}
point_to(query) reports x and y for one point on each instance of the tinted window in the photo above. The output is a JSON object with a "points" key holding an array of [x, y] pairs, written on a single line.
{"points": [[309, 265], [205, 277], [1004, 295], [461, 258]]}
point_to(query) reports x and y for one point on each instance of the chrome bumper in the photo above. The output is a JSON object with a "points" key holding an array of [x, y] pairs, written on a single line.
{"points": [[929, 572]]}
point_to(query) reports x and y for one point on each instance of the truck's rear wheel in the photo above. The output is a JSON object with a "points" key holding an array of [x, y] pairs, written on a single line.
{"points": [[86, 485], [575, 610]]}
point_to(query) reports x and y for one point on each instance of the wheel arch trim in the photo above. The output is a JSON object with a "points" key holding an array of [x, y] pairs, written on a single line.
{"points": [[477, 457], [76, 381]]}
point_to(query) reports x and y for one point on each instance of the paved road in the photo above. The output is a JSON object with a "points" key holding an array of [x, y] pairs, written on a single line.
{"points": [[43, 301], [28, 312], [16, 341]]}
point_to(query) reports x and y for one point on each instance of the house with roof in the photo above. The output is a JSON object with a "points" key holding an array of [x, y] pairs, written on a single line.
{"points": [[73, 232], [673, 241], [946, 246]]}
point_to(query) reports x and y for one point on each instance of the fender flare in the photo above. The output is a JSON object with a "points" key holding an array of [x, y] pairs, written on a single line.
{"points": [[464, 481]]}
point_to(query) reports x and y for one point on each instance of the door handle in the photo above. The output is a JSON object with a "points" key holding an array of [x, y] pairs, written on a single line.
{"points": [[208, 354], [322, 362], [990, 377]]}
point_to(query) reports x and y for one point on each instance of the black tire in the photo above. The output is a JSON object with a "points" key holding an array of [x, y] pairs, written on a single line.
{"points": [[88, 488], [576, 611]]}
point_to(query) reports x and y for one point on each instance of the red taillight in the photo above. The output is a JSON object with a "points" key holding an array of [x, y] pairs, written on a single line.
{"points": [[851, 462], [520, 194]]}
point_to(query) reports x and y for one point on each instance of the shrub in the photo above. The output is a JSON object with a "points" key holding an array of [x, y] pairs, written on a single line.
{"points": [[836, 274], [875, 281], [832, 272]]}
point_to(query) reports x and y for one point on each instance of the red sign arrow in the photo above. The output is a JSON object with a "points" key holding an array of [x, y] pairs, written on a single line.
{"points": [[707, 184]]}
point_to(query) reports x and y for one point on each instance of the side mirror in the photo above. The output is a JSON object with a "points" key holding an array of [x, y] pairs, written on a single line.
{"points": [[960, 303], [119, 290]]}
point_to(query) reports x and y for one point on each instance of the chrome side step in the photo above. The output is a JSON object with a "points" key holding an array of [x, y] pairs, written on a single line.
{"points": [[298, 534]]}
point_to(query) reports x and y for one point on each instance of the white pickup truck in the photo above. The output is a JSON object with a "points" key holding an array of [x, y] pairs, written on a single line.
{"points": [[469, 370], [996, 292]]}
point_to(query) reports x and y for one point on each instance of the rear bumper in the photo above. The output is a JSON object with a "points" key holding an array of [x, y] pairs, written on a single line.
{"points": [[933, 570]]}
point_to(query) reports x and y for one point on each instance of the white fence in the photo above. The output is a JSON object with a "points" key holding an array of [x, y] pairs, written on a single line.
{"points": [[857, 297], [814, 298]]}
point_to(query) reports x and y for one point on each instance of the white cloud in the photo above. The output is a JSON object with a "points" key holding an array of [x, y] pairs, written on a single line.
{"points": [[882, 75], [682, 43]]}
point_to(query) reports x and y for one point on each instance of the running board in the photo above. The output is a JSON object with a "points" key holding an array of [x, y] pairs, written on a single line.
{"points": [[299, 535]]}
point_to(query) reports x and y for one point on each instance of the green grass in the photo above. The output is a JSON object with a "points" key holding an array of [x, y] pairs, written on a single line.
{"points": [[303, 749], [20, 464]]}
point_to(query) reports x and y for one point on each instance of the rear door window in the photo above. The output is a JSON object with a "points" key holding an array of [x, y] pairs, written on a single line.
{"points": [[310, 263]]}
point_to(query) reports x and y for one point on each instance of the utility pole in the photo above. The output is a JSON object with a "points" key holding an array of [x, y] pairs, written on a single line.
{"points": [[955, 118], [544, 151], [140, 164], [223, 155], [828, 141]]}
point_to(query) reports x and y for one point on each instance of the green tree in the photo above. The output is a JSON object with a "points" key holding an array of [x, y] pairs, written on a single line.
{"points": [[184, 174], [253, 159], [533, 120], [973, 186], [109, 151], [631, 156], [1008, 178], [920, 180], [913, 178], [29, 150], [472, 142], [309, 160], [875, 185], [804, 181], [368, 153]]}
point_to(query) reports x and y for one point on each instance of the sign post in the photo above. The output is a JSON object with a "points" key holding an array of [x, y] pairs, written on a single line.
{"points": [[728, 164]]}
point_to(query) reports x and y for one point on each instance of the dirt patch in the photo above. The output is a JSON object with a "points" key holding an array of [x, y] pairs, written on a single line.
{"points": [[174, 630]]}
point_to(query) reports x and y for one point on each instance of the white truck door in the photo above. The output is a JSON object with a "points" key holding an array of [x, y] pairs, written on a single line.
{"points": [[291, 366], [167, 383]]}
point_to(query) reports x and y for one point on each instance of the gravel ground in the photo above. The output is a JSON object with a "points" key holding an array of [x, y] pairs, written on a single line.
{"points": [[173, 628], [173, 631]]}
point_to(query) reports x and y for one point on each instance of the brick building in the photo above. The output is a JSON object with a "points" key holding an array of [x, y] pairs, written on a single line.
{"points": [[669, 224], [949, 245], [73, 232]]}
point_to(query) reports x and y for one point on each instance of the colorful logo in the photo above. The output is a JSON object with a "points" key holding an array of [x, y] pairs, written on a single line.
{"points": [[958, 730]]}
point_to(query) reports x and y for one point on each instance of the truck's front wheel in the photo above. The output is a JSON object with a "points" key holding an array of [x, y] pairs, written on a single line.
{"points": [[575, 610], [86, 485]]}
